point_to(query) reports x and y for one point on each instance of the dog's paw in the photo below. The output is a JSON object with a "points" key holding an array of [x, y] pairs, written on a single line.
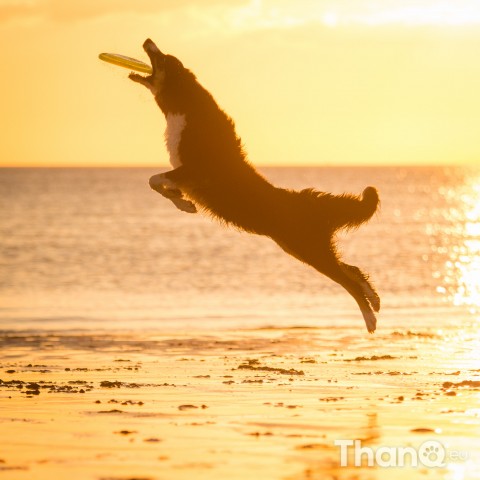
{"points": [[374, 300], [184, 205], [164, 186], [370, 320], [170, 193], [139, 79]]}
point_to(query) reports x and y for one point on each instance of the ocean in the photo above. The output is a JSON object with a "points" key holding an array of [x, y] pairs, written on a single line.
{"points": [[96, 249]]}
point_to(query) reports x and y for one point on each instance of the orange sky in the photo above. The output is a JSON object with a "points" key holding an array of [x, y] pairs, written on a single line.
{"points": [[325, 82]]}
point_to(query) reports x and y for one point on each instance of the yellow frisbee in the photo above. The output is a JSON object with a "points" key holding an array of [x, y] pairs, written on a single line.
{"points": [[127, 62]]}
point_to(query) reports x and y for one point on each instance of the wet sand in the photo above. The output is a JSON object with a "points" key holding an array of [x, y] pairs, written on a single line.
{"points": [[264, 403]]}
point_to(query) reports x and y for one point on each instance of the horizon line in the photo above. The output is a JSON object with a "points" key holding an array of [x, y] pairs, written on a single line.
{"points": [[324, 165]]}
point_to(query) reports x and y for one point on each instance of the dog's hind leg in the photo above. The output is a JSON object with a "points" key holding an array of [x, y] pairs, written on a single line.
{"points": [[355, 287], [358, 276], [349, 277], [165, 186], [365, 308]]}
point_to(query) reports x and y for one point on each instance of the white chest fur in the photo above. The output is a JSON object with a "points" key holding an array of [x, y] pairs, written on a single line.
{"points": [[173, 134]]}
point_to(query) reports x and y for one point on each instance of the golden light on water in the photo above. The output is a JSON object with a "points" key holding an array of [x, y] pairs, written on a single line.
{"points": [[468, 292], [463, 266]]}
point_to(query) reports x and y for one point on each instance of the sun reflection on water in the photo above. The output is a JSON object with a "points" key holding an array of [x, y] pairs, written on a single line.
{"points": [[467, 261], [459, 240], [463, 266]]}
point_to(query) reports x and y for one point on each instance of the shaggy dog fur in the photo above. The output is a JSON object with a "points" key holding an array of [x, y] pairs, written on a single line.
{"points": [[211, 172]]}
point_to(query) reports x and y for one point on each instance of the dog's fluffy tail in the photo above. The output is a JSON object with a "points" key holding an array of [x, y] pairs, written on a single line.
{"points": [[344, 211]]}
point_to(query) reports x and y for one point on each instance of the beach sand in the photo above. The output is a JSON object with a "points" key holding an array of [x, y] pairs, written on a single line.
{"points": [[256, 403]]}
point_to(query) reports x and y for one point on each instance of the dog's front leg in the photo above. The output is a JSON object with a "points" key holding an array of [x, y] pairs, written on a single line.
{"points": [[164, 184]]}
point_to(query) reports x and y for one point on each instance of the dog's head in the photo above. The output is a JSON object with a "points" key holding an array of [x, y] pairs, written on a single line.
{"points": [[169, 77]]}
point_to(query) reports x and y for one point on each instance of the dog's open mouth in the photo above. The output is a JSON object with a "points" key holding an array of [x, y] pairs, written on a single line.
{"points": [[157, 58]]}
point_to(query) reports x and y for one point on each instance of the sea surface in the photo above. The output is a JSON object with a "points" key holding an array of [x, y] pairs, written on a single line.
{"points": [[96, 249]]}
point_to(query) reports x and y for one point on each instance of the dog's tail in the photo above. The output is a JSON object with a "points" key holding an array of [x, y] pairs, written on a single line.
{"points": [[347, 210]]}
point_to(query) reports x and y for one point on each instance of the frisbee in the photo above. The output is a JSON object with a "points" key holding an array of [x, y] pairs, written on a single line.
{"points": [[127, 62]]}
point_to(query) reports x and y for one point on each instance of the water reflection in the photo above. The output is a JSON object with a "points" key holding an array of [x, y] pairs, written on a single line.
{"points": [[460, 243]]}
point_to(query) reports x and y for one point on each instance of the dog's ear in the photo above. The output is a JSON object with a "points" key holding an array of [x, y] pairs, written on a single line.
{"points": [[173, 63]]}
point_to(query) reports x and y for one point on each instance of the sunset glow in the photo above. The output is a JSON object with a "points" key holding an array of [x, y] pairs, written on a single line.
{"points": [[307, 83], [191, 316]]}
